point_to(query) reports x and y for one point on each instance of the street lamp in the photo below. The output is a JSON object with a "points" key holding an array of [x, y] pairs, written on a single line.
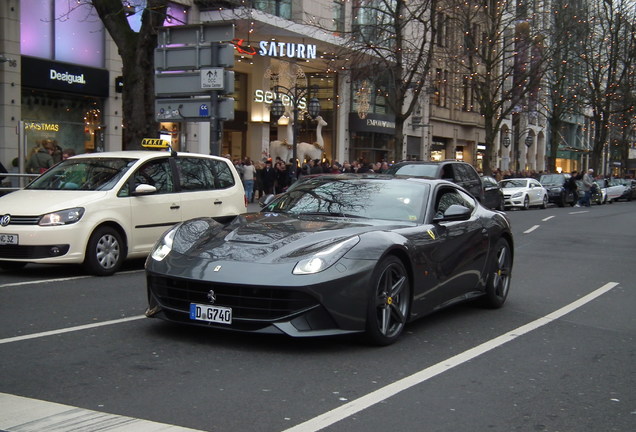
{"points": [[529, 141], [295, 95], [506, 140]]}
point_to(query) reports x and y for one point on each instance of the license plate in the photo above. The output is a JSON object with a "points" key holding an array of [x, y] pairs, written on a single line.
{"points": [[8, 239], [216, 314]]}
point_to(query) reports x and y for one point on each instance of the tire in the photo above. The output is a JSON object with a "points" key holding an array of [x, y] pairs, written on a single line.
{"points": [[544, 204], [389, 302], [501, 205], [105, 252], [12, 265], [499, 273], [526, 203]]}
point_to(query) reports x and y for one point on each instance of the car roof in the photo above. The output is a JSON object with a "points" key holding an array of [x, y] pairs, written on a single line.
{"points": [[138, 154], [427, 162]]}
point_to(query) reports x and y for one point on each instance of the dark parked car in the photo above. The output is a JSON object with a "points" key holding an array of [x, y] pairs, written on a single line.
{"points": [[458, 172], [493, 195], [556, 184], [338, 254]]}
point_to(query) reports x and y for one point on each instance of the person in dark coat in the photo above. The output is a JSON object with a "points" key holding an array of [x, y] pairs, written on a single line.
{"points": [[268, 178]]}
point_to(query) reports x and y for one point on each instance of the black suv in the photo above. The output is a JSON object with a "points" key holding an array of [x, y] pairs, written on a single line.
{"points": [[557, 189], [458, 172]]}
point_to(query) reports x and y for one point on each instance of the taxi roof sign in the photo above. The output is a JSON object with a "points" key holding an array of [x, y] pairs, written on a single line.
{"points": [[155, 143]]}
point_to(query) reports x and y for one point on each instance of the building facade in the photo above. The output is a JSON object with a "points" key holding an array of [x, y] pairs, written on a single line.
{"points": [[62, 82]]}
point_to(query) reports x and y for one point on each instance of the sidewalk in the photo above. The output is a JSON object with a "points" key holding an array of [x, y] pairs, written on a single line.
{"points": [[253, 207]]}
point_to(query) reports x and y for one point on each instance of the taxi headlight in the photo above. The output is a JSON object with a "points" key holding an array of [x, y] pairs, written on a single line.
{"points": [[62, 217], [325, 258]]}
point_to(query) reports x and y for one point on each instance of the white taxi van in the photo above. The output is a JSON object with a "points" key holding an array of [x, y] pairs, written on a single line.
{"points": [[98, 209]]}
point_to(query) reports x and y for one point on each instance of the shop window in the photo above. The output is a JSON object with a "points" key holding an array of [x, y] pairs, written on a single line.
{"points": [[339, 16], [63, 31], [72, 122], [279, 8], [368, 98], [176, 14]]}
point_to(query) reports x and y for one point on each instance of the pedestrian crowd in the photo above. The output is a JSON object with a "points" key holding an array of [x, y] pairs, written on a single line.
{"points": [[266, 177]]}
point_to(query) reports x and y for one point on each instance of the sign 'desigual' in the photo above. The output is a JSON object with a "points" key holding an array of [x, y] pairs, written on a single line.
{"points": [[67, 77]]}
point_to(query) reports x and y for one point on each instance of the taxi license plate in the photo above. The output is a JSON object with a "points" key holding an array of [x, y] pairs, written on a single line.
{"points": [[216, 314], [8, 239]]}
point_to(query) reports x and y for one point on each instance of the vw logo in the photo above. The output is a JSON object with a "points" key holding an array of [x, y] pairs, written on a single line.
{"points": [[211, 296], [4, 221]]}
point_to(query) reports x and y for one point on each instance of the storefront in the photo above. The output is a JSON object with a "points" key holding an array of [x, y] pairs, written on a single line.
{"points": [[372, 138], [63, 103], [256, 76]]}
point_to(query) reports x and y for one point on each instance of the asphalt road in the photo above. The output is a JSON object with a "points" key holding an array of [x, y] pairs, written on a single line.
{"points": [[560, 356]]}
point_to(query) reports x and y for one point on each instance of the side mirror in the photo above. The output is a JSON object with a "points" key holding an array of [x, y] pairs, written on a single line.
{"points": [[455, 212], [144, 189]]}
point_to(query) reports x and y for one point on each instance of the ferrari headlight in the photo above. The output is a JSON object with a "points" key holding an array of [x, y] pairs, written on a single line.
{"points": [[325, 258], [62, 217], [517, 195], [163, 246]]}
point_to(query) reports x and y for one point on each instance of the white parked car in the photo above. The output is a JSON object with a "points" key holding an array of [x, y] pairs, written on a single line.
{"points": [[524, 193], [100, 208], [611, 190]]}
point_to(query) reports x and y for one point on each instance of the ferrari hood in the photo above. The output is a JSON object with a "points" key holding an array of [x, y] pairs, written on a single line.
{"points": [[268, 237]]}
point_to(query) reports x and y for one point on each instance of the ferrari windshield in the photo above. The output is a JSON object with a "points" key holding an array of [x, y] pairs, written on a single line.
{"points": [[87, 174], [354, 197], [422, 170]]}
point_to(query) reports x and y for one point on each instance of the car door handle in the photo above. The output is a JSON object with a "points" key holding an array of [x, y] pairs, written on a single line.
{"points": [[218, 202], [175, 207]]}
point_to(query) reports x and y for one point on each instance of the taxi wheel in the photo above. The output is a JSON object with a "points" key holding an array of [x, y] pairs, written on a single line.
{"points": [[105, 252]]}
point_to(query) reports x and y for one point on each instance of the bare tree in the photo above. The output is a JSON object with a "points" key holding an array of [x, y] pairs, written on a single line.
{"points": [[609, 56], [137, 53], [564, 74], [389, 47], [499, 53]]}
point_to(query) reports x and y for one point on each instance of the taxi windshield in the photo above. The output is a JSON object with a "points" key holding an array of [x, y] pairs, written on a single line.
{"points": [[88, 174]]}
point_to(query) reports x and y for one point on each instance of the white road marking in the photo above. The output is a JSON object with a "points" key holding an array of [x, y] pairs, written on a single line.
{"points": [[43, 281], [529, 230], [329, 418], [579, 212], [547, 219], [32, 415], [70, 329]]}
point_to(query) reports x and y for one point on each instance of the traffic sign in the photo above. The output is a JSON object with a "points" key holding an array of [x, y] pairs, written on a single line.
{"points": [[193, 109], [196, 34], [212, 79], [193, 57], [192, 83]]}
